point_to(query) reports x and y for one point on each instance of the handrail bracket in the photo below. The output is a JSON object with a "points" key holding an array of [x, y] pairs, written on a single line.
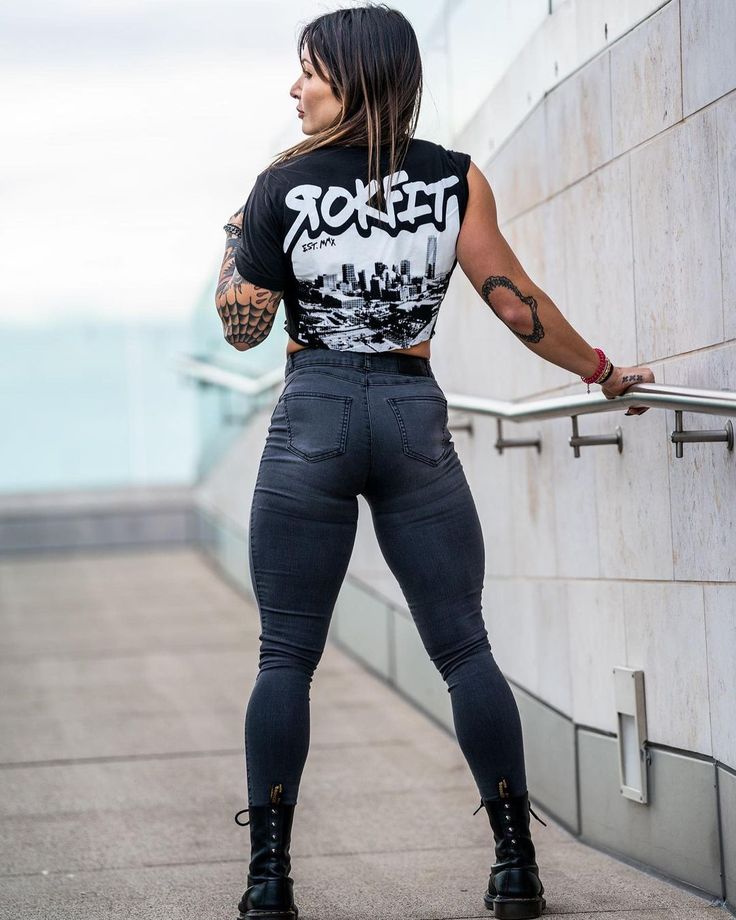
{"points": [[502, 443], [680, 436], [585, 440]]}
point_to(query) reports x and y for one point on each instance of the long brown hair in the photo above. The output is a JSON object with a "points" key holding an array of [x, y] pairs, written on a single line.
{"points": [[375, 70]]}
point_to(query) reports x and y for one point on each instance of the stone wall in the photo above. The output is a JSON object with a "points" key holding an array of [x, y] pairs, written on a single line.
{"points": [[618, 194]]}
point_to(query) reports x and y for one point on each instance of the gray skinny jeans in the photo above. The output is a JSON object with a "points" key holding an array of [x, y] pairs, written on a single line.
{"points": [[350, 423]]}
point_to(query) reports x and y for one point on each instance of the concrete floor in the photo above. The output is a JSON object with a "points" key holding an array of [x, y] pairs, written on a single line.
{"points": [[123, 687]]}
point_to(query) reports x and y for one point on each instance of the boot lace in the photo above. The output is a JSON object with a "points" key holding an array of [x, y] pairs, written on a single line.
{"points": [[530, 809], [242, 812]]}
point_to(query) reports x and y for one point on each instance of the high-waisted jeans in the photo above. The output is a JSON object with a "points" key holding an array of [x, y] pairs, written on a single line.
{"points": [[349, 424]]}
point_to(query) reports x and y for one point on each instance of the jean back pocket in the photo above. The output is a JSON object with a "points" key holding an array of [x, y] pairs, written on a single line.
{"points": [[317, 424], [422, 421]]}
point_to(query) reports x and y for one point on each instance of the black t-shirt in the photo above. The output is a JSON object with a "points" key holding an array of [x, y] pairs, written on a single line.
{"points": [[355, 278]]}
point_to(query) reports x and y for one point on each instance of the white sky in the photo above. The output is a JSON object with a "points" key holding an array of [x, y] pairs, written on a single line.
{"points": [[130, 130]]}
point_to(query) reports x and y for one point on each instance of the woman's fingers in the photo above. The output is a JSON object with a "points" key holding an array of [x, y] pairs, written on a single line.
{"points": [[641, 374], [624, 377]]}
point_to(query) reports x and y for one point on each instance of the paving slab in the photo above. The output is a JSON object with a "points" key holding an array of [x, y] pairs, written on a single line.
{"points": [[124, 677]]}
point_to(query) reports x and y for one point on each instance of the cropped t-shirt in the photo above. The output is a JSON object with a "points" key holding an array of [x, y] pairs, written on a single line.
{"points": [[356, 278]]}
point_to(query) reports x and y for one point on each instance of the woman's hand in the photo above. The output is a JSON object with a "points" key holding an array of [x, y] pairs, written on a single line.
{"points": [[621, 379]]}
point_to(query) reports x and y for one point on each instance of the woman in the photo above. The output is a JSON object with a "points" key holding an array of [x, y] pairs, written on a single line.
{"points": [[358, 228]]}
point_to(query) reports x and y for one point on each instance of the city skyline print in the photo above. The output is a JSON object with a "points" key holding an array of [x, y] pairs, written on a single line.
{"points": [[371, 280]]}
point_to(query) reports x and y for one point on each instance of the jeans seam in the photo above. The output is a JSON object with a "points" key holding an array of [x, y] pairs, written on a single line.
{"points": [[370, 433], [251, 543]]}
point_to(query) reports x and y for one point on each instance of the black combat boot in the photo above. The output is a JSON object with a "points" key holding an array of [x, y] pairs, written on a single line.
{"points": [[514, 887], [270, 891]]}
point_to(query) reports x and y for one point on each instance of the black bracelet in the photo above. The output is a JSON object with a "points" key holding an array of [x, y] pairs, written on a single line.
{"points": [[610, 371], [233, 228]]}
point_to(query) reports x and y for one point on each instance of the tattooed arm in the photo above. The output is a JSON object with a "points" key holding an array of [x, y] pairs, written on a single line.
{"points": [[497, 275], [247, 311]]}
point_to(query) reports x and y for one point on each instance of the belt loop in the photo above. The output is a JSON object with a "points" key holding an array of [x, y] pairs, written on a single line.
{"points": [[367, 362]]}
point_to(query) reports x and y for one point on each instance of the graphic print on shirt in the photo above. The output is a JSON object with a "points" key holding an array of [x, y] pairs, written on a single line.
{"points": [[370, 279]]}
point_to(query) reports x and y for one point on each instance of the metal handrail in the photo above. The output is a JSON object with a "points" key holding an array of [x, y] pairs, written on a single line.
{"points": [[653, 395], [212, 375]]}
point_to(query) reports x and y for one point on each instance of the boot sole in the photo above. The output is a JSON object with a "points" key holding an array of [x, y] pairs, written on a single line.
{"points": [[515, 908], [269, 914]]}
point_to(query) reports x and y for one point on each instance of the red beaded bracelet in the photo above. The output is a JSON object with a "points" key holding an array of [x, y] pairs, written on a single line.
{"points": [[601, 364]]}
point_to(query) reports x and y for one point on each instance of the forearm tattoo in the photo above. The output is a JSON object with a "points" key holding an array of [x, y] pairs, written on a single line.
{"points": [[247, 311], [632, 378], [495, 281]]}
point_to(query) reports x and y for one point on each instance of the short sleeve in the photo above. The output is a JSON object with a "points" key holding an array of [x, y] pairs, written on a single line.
{"points": [[259, 256], [460, 164]]}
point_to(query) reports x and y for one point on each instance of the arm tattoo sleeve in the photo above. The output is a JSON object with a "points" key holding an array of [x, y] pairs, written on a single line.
{"points": [[247, 312], [495, 281]]}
